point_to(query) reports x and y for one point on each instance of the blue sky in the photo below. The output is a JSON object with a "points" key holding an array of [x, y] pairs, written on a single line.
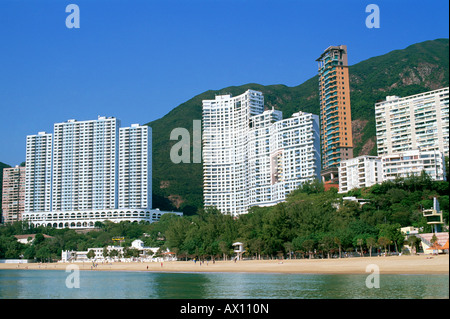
{"points": [[137, 60]]}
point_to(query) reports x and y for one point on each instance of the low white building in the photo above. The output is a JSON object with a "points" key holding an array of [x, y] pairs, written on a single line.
{"points": [[80, 256], [358, 172], [365, 171], [413, 163], [87, 219], [360, 201], [146, 254], [146, 251]]}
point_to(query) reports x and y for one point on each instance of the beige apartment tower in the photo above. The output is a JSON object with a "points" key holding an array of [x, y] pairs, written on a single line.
{"points": [[415, 122], [13, 201]]}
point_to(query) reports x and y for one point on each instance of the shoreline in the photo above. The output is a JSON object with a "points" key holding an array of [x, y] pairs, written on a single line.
{"points": [[414, 265]]}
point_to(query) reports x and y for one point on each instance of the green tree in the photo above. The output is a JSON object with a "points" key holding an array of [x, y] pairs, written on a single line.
{"points": [[43, 254], [393, 233], [384, 242], [38, 239], [309, 187], [308, 245], [30, 252], [90, 254], [289, 248], [359, 243], [371, 242], [114, 253], [13, 249], [414, 243], [327, 243], [433, 239], [225, 249], [131, 252], [105, 252]]}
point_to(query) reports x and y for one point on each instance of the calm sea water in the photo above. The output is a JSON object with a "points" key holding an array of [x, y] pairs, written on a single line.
{"points": [[51, 284]]}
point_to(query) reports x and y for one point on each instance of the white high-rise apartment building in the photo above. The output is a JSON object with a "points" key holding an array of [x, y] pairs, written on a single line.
{"points": [[135, 164], [358, 172], [294, 153], [38, 173], [418, 121], [252, 157], [225, 135], [259, 183], [84, 164], [96, 171]]}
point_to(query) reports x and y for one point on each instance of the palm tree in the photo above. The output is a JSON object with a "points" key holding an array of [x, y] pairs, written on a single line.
{"points": [[384, 242], [360, 242], [370, 243], [289, 248], [338, 242], [308, 245], [413, 241]]}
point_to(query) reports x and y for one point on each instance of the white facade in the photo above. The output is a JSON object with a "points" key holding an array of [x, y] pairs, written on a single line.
{"points": [[81, 256], [146, 254], [96, 171], [294, 154], [84, 165], [413, 163], [358, 172], [38, 173], [225, 135], [88, 218], [418, 121], [252, 157], [135, 167], [259, 158]]}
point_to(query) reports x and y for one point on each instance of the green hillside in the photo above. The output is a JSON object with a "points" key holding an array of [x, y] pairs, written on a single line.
{"points": [[418, 68]]}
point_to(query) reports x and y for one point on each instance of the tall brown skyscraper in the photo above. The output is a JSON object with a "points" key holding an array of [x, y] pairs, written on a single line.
{"points": [[335, 111]]}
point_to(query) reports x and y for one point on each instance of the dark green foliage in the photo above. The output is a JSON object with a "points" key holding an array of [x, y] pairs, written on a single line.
{"points": [[312, 222]]}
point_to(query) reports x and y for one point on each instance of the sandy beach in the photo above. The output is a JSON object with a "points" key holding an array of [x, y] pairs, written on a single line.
{"points": [[423, 264]]}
